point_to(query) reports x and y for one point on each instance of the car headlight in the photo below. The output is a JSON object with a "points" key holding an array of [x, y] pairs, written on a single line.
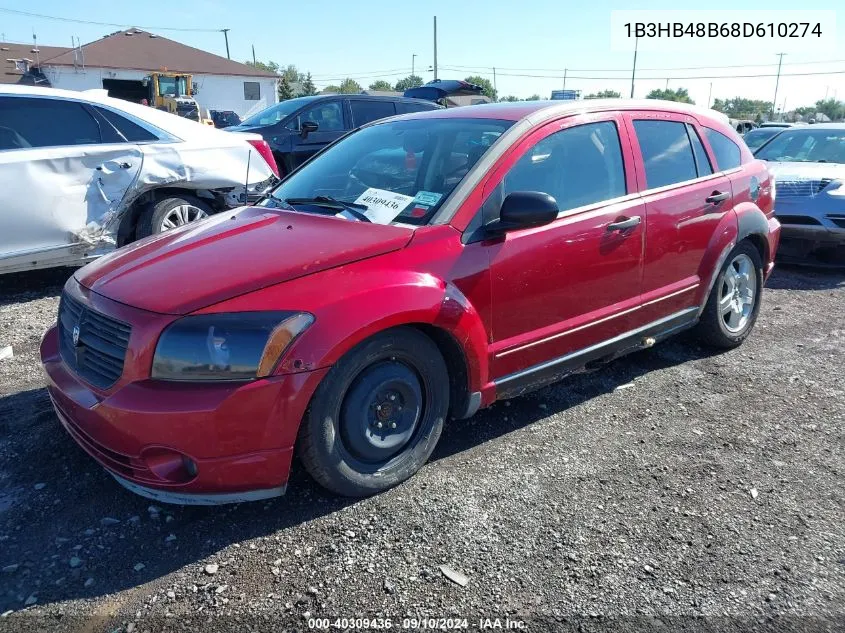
{"points": [[226, 346]]}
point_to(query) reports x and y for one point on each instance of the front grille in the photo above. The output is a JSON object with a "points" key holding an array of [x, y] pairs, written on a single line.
{"points": [[98, 356], [801, 188], [797, 219]]}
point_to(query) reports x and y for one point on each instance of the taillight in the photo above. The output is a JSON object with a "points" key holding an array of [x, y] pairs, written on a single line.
{"points": [[263, 148]]}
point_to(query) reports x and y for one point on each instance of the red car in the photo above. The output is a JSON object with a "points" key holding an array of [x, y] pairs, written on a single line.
{"points": [[418, 269]]}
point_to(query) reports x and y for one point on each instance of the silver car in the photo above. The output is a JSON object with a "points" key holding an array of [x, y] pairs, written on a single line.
{"points": [[808, 164]]}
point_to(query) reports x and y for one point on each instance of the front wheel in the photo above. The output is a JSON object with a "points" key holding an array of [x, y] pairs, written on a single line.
{"points": [[734, 301], [171, 213], [377, 415]]}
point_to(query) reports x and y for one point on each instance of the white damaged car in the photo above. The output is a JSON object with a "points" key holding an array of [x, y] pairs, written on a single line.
{"points": [[82, 174]]}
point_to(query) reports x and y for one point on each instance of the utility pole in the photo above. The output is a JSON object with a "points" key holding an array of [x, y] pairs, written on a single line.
{"points": [[435, 47], [709, 94], [634, 71], [413, 58], [826, 89], [667, 83], [495, 90], [565, 71], [253, 56], [777, 81], [226, 35]]}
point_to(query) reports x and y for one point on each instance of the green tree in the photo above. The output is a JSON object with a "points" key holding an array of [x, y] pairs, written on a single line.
{"points": [[293, 75], [604, 94], [381, 84], [832, 108], [285, 90], [308, 87], [487, 86], [534, 97], [411, 81], [270, 67], [669, 94], [509, 98], [332, 88], [350, 87], [742, 108]]}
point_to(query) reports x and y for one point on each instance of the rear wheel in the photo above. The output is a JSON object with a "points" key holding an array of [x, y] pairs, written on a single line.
{"points": [[376, 417], [170, 213], [734, 301]]}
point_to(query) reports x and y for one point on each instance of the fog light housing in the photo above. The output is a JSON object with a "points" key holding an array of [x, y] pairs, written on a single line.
{"points": [[169, 465]]}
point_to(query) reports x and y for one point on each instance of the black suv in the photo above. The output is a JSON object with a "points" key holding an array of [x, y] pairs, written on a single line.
{"points": [[297, 129]]}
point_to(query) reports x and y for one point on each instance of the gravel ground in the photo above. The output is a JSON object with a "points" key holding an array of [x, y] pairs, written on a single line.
{"points": [[673, 489]]}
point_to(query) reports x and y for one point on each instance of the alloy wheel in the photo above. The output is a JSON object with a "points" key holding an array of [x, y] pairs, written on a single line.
{"points": [[738, 293], [182, 215]]}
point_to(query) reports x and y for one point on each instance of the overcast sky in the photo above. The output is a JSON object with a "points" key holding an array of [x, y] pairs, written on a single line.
{"points": [[375, 39]]}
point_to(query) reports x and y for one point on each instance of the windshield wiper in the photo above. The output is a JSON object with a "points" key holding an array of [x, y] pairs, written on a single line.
{"points": [[333, 203]]}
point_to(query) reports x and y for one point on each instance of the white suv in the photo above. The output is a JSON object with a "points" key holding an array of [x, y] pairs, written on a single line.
{"points": [[81, 174]]}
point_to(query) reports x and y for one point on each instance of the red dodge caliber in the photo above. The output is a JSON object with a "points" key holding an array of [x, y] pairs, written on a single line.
{"points": [[418, 269]]}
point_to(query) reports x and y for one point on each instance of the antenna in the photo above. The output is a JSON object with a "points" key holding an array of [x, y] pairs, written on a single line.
{"points": [[246, 182]]}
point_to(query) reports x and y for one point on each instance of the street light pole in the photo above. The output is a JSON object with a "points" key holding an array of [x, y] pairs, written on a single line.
{"points": [[435, 47], [413, 58], [226, 35], [634, 71]]}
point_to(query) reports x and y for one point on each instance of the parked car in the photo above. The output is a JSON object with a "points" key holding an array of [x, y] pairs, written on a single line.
{"points": [[755, 138], [297, 129], [419, 269], [81, 173], [224, 118], [808, 164]]}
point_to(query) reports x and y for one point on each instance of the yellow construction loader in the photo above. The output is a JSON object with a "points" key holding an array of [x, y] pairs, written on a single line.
{"points": [[174, 93]]}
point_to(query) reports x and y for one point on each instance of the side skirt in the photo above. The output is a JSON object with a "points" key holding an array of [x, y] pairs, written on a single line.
{"points": [[537, 376]]}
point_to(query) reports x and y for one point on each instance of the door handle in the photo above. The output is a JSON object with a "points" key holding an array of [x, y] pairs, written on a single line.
{"points": [[624, 224], [717, 196]]}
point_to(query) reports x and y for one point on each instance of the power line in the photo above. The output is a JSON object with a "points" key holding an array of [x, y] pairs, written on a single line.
{"points": [[366, 73], [627, 70], [92, 22], [659, 78]]}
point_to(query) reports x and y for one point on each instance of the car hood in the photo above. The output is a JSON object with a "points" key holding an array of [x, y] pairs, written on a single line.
{"points": [[230, 254], [788, 171]]}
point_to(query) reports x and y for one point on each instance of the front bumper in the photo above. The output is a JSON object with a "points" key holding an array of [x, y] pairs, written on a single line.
{"points": [[812, 244], [238, 436]]}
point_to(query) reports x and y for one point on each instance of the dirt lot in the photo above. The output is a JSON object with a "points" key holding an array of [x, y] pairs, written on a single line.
{"points": [[674, 489]]}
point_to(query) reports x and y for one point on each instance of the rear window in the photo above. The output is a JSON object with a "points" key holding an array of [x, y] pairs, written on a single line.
{"points": [[406, 107], [132, 132], [727, 152], [366, 111], [35, 122], [667, 152]]}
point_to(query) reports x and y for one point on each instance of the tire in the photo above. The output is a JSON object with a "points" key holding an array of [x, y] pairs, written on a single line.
{"points": [[347, 444], [728, 317], [152, 220]]}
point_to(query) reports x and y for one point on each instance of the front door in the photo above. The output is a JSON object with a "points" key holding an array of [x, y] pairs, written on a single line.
{"points": [[685, 202], [562, 288], [329, 117], [61, 182]]}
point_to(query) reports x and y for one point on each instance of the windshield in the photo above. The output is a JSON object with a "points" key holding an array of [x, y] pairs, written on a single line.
{"points": [[806, 146], [172, 86], [755, 138], [398, 171], [276, 113]]}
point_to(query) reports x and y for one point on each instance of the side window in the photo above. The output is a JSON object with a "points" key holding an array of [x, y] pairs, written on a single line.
{"points": [[406, 107], [577, 166], [702, 162], [33, 122], [366, 111], [131, 131], [327, 115], [252, 91], [667, 152], [727, 152]]}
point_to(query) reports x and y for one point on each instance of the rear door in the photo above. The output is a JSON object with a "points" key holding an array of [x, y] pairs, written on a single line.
{"points": [[367, 110], [328, 114], [59, 178], [685, 202]]}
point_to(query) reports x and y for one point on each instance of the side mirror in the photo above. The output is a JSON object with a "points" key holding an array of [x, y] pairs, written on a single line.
{"points": [[308, 127], [524, 210]]}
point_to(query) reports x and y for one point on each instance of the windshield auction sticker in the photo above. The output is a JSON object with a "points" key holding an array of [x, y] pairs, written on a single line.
{"points": [[383, 206]]}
